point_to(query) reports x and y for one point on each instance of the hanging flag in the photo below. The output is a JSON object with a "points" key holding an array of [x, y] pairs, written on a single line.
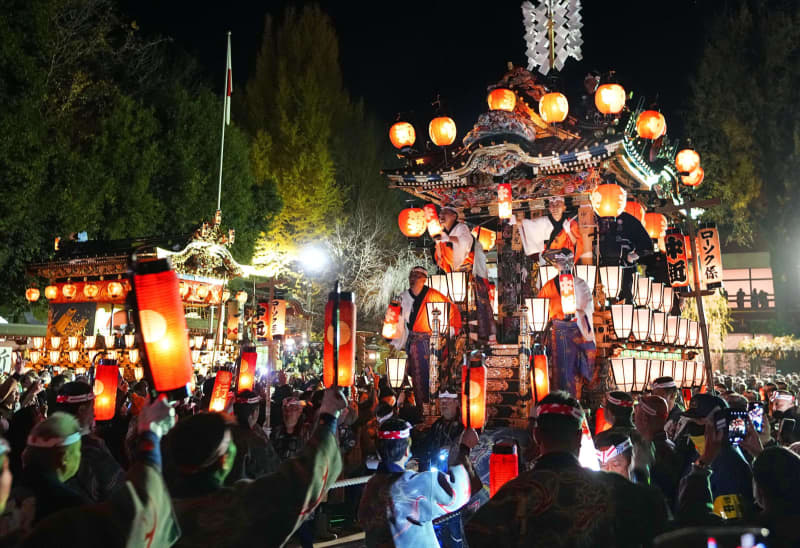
{"points": [[710, 256], [677, 264], [228, 84]]}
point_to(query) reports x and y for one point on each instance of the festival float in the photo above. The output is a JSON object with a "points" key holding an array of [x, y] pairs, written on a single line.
{"points": [[635, 255]]}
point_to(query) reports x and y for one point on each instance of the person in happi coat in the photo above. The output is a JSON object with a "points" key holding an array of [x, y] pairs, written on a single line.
{"points": [[552, 231]]}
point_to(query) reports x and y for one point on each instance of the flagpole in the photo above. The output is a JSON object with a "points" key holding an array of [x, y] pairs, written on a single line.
{"points": [[225, 107]]}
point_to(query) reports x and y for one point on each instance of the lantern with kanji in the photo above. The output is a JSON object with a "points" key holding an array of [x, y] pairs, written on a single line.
{"points": [[247, 368], [677, 263], [473, 391], [32, 294], [442, 131], [501, 99], [687, 160], [609, 200], [694, 178], [609, 98], [90, 291], [115, 290], [540, 375], [432, 220], [567, 288], [553, 107], [161, 322], [412, 222], [105, 390], [504, 201], [655, 224], [51, 292], [391, 320], [709, 256], [402, 135], [635, 209], [651, 125], [503, 465], [485, 236], [69, 291], [340, 326], [219, 395]]}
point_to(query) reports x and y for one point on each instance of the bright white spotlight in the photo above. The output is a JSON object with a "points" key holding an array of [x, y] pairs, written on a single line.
{"points": [[314, 258]]}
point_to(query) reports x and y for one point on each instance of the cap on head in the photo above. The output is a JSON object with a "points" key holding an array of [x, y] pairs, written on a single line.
{"points": [[702, 405]]}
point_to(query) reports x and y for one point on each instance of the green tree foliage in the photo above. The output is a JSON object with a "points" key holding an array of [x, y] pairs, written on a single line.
{"points": [[745, 121]]}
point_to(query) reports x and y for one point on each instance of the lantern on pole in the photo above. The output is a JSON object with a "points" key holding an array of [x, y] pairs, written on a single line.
{"points": [[161, 323], [567, 287], [503, 465], [501, 99], [219, 394], [609, 200], [457, 286], [710, 256], [553, 107], [504, 201], [402, 135], [442, 131], [485, 236], [391, 320], [412, 222], [623, 371], [538, 313], [540, 374], [609, 98], [339, 351], [473, 391], [677, 263], [396, 371], [105, 390], [432, 220], [651, 125], [247, 368], [691, 339]]}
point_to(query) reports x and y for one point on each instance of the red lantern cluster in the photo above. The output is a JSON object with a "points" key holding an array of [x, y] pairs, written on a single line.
{"points": [[688, 163]]}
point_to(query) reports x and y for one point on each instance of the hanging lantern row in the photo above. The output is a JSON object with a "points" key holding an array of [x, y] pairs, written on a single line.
{"points": [[78, 291], [636, 374], [441, 130]]}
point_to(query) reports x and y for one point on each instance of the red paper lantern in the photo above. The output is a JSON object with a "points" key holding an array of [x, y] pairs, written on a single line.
{"points": [[392, 319], [694, 178], [503, 465], [219, 395], [636, 209], [432, 220], [486, 237], [540, 376], [412, 222], [247, 368], [115, 290], [69, 291], [677, 262], [609, 98], [609, 200], [51, 292], [347, 341], [651, 124], [656, 225], [32, 294], [553, 107], [473, 392], [105, 391], [90, 291], [442, 131], [687, 160], [162, 325], [402, 135], [502, 99], [504, 201]]}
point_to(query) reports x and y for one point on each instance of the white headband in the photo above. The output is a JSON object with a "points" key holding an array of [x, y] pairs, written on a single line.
{"points": [[395, 434], [618, 402], [447, 395], [665, 384], [606, 455], [35, 441], [386, 417], [647, 409]]}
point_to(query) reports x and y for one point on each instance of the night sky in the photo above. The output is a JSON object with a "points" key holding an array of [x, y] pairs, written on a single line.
{"points": [[399, 55]]}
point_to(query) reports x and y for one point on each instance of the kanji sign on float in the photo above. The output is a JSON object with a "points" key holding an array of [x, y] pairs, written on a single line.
{"points": [[677, 264], [710, 257]]}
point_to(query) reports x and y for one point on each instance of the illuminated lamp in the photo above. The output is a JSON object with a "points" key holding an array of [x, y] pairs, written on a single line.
{"points": [[202, 292], [611, 278], [198, 341], [241, 297], [391, 320], [219, 395], [504, 201], [51, 292], [641, 324], [609, 98], [183, 289], [55, 356], [457, 286], [553, 107], [340, 327], [110, 341], [656, 225], [111, 354], [486, 237], [442, 131], [161, 323], [502, 99], [635, 209], [622, 317], [90, 291], [587, 273], [432, 220], [69, 291], [672, 330], [667, 300], [91, 354], [442, 318], [105, 391], [656, 295], [32, 294], [679, 375], [699, 375], [34, 356], [89, 341], [72, 342], [600, 422], [689, 373], [138, 373], [402, 135], [503, 465], [396, 370], [569, 303], [659, 327], [133, 355], [623, 371], [641, 374], [683, 332], [439, 283], [130, 340], [547, 273], [115, 290], [694, 178], [55, 342], [74, 356], [247, 368], [538, 313], [540, 375], [687, 160], [473, 391], [609, 200], [693, 333], [209, 342], [668, 368], [226, 294], [37, 342], [412, 222], [642, 286], [651, 124]]}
